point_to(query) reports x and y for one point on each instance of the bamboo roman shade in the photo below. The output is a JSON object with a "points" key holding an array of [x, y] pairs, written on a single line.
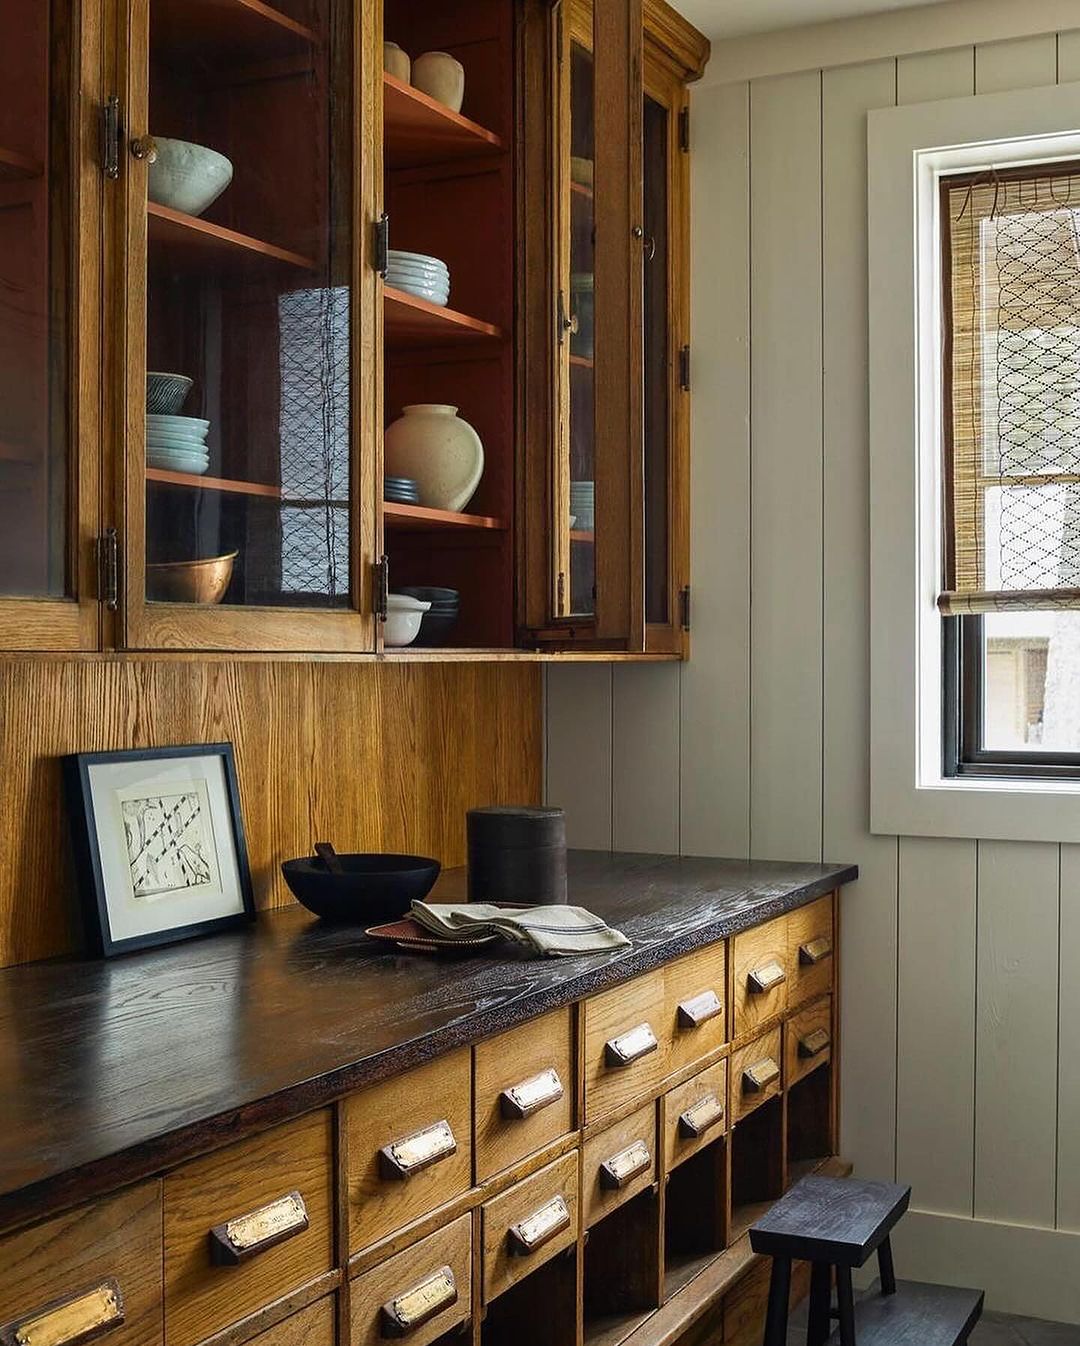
{"points": [[1011, 279]]}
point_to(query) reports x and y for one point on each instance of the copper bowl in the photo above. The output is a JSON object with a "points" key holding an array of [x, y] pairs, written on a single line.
{"points": [[190, 581]]}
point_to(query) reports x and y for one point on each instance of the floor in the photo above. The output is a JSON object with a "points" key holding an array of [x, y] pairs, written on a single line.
{"points": [[995, 1329]]}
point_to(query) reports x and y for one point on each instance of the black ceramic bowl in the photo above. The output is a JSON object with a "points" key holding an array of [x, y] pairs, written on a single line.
{"points": [[373, 889]]}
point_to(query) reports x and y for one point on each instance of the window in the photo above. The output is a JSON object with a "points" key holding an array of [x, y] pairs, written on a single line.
{"points": [[1010, 277]]}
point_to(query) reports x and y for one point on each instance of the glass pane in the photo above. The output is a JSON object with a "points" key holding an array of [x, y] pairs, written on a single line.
{"points": [[657, 361], [248, 314], [1031, 681], [582, 586], [35, 177]]}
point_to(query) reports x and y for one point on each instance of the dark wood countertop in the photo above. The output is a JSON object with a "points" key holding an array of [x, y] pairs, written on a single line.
{"points": [[116, 1069]]}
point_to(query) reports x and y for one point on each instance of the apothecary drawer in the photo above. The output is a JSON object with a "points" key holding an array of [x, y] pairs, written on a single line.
{"points": [[694, 1114], [759, 970], [409, 1146], [695, 1024], [419, 1294], [623, 1033], [529, 1223], [755, 1074], [808, 1039], [524, 1091], [313, 1326], [246, 1225], [811, 965], [93, 1271], [618, 1163]]}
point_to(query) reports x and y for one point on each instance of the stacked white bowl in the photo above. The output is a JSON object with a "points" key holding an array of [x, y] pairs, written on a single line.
{"points": [[583, 504], [420, 275], [177, 444]]}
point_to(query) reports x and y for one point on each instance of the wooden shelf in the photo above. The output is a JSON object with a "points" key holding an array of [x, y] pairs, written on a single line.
{"points": [[220, 30], [419, 130], [579, 189], [418, 518], [222, 484], [15, 167], [582, 362], [582, 535], [191, 243], [416, 322]]}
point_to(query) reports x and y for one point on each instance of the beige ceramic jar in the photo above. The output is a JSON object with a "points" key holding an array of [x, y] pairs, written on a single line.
{"points": [[441, 77], [442, 453]]}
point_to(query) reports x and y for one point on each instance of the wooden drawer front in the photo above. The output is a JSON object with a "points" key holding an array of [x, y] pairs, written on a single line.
{"points": [[610, 1167], [419, 1294], [524, 1083], [808, 1037], [66, 1278], [759, 970], [694, 1114], [313, 1326], [695, 992], [529, 1223], [755, 1074], [810, 951], [619, 1063], [432, 1104], [220, 1266]]}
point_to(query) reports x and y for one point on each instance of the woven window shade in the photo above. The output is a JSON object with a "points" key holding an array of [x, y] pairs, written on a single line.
{"points": [[1012, 390]]}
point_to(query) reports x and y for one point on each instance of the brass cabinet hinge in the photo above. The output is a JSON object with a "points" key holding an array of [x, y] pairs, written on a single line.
{"points": [[112, 130], [684, 130], [684, 369], [108, 556], [381, 248], [684, 607], [380, 587]]}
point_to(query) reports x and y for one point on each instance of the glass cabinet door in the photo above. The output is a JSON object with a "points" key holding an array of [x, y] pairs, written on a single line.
{"points": [[50, 223], [243, 275]]}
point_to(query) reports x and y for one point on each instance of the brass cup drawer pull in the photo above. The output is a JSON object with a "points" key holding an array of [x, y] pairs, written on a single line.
{"points": [[417, 1306], [700, 1117], [524, 1099], [815, 951], [630, 1047], [814, 1043], [699, 1010], [765, 977], [69, 1321], [760, 1075], [403, 1158], [539, 1228], [624, 1167], [236, 1240]]}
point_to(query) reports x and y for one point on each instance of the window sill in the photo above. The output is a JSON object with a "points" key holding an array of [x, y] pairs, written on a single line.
{"points": [[991, 809]]}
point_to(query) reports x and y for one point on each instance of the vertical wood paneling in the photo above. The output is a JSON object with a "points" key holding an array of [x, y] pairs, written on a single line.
{"points": [[1068, 1110], [786, 468], [715, 731], [935, 1087], [645, 758], [579, 751], [1025, 63], [1017, 1025], [1069, 56], [937, 74], [869, 908]]}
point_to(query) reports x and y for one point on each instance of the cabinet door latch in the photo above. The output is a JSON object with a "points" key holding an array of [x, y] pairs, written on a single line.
{"points": [[108, 554], [684, 607], [112, 130], [380, 587], [684, 369], [381, 255]]}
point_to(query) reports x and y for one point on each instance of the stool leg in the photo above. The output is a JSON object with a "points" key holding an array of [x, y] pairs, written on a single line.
{"points": [[885, 1268], [776, 1320], [845, 1302], [819, 1323]]}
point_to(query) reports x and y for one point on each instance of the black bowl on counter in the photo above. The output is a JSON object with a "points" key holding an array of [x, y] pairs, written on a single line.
{"points": [[441, 618], [372, 889]]}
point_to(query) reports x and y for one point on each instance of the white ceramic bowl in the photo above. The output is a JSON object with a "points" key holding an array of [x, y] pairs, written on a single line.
{"points": [[424, 258], [403, 618], [433, 278], [187, 177]]}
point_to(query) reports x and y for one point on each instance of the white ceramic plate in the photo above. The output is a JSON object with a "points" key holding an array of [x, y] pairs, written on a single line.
{"points": [[396, 254], [178, 423], [418, 268], [425, 292], [176, 443]]}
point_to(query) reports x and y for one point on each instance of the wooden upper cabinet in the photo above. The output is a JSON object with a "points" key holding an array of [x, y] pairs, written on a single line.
{"points": [[50, 305]]}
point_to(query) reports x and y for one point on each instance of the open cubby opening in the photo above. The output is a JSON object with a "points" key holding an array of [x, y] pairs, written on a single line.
{"points": [[809, 1128], [695, 1215], [540, 1310], [757, 1164], [622, 1281]]}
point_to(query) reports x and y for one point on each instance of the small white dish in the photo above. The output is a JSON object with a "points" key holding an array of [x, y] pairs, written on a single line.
{"points": [[403, 617], [187, 177]]}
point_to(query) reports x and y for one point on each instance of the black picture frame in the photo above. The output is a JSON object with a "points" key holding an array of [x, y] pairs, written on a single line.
{"points": [[86, 846]]}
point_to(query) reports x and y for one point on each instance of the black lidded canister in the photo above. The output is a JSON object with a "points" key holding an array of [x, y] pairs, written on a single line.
{"points": [[517, 854]]}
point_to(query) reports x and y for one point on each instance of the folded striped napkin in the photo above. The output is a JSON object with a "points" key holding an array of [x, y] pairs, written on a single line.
{"points": [[547, 932]]}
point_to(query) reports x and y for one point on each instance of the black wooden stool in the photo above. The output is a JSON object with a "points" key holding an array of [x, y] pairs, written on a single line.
{"points": [[836, 1224]]}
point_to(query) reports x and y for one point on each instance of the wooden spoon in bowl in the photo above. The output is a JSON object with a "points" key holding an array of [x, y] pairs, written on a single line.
{"points": [[329, 857]]}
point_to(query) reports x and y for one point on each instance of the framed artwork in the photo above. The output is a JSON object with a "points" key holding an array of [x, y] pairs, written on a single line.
{"points": [[159, 844]]}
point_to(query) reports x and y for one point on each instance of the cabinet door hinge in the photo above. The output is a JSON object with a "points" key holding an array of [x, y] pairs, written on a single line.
{"points": [[684, 369], [684, 607], [381, 253], [684, 130], [560, 595], [380, 587], [108, 555], [112, 130]]}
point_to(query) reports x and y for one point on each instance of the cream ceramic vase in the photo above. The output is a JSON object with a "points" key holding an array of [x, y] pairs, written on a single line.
{"points": [[441, 77], [396, 62], [441, 452]]}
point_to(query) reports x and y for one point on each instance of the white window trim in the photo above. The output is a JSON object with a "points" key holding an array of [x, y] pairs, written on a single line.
{"points": [[908, 149]]}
